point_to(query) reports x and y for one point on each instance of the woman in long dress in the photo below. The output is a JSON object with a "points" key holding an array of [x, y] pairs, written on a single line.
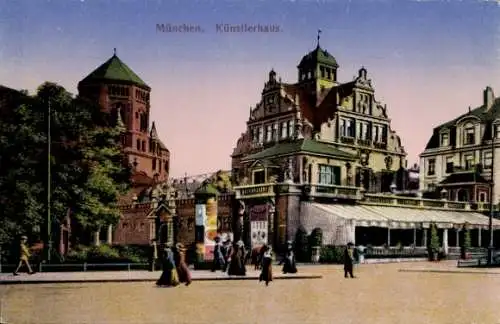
{"points": [[169, 276], [267, 266], [182, 268], [237, 266], [289, 265]]}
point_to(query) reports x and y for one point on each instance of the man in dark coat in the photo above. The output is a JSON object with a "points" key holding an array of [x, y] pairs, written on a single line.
{"points": [[349, 260]]}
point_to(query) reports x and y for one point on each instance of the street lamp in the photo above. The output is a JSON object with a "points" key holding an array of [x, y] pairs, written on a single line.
{"points": [[492, 184]]}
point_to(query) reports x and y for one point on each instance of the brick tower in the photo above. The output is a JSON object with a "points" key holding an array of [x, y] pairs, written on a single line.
{"points": [[120, 91]]}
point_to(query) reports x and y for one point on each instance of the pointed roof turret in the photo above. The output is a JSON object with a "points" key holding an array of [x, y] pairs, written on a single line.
{"points": [[153, 134], [114, 70]]}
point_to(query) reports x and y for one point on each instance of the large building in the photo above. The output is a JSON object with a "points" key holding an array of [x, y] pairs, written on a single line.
{"points": [[458, 159], [320, 130], [120, 91]]}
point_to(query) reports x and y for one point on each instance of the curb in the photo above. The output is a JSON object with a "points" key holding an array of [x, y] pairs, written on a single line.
{"points": [[34, 281], [448, 271]]}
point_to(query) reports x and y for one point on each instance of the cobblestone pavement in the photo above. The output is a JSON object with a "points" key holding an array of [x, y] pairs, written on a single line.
{"points": [[381, 294]]}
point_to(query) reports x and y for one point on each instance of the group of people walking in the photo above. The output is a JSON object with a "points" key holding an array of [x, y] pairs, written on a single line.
{"points": [[174, 266]]}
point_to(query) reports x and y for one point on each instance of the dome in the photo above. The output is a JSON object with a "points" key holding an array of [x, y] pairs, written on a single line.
{"points": [[318, 55]]}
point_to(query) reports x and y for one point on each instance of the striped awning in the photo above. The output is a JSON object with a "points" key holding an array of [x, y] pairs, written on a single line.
{"points": [[398, 217]]}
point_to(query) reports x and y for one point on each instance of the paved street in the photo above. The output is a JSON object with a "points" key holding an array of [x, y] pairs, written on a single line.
{"points": [[381, 294]]}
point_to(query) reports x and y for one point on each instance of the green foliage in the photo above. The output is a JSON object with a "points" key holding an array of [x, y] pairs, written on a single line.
{"points": [[87, 172], [467, 239], [434, 245], [106, 254], [331, 254], [316, 237], [301, 244]]}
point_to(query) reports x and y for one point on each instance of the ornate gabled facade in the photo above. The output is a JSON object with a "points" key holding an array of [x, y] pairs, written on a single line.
{"points": [[120, 91], [325, 131], [458, 159]]}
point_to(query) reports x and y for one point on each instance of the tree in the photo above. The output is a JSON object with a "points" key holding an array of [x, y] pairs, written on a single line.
{"points": [[87, 165], [434, 242]]}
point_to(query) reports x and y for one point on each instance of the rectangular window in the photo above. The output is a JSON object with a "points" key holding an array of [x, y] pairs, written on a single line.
{"points": [[343, 129], [363, 131], [261, 134], [259, 177], [445, 139], [154, 164], [290, 128], [284, 130], [449, 164], [329, 175], [269, 133], [469, 162], [469, 136], [431, 167], [497, 131], [275, 132], [377, 133], [487, 159]]}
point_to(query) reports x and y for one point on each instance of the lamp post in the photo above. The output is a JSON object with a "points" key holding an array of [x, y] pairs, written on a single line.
{"points": [[492, 184], [49, 220]]}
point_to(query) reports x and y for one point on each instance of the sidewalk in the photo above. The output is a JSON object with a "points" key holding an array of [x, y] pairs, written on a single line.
{"points": [[134, 276], [449, 266]]}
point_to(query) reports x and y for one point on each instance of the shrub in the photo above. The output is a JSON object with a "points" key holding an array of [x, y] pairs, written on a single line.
{"points": [[331, 254], [316, 238], [107, 254], [301, 245], [434, 245]]}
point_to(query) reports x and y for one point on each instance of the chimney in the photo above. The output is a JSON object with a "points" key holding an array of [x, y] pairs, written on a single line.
{"points": [[488, 98]]}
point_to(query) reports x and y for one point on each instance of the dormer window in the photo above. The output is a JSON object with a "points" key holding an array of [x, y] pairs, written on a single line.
{"points": [[445, 139], [469, 138]]}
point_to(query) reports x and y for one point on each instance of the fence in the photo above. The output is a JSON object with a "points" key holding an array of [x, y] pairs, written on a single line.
{"points": [[78, 267]]}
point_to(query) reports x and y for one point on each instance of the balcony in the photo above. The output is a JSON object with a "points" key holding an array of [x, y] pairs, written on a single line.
{"points": [[380, 146], [381, 200], [364, 142], [347, 140], [332, 191], [255, 191]]}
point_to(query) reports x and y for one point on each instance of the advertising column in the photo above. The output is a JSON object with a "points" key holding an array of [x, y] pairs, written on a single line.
{"points": [[200, 222], [210, 228]]}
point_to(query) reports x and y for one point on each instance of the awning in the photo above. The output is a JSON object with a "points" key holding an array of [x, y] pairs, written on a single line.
{"points": [[398, 217]]}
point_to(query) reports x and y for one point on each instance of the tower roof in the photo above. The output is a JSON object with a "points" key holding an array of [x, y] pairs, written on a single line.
{"points": [[318, 55], [114, 70]]}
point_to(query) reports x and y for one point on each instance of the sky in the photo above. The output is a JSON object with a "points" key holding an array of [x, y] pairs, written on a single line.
{"points": [[428, 60]]}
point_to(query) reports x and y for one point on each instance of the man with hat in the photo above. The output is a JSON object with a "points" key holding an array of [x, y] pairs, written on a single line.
{"points": [[24, 254], [349, 260]]}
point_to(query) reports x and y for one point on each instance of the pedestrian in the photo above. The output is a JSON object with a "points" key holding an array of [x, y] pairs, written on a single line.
{"points": [[361, 254], [153, 255], [182, 268], [228, 252], [219, 262], [169, 276], [237, 265], [266, 274], [289, 265], [348, 260], [24, 254]]}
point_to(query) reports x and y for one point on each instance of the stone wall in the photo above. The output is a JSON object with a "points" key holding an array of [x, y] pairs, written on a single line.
{"points": [[133, 227]]}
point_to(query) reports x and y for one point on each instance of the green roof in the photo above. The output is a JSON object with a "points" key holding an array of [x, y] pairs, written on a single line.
{"points": [[318, 55], [308, 146], [114, 70], [207, 189]]}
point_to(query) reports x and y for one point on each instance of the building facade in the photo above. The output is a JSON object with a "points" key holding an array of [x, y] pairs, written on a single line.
{"points": [[458, 161], [126, 96], [319, 130]]}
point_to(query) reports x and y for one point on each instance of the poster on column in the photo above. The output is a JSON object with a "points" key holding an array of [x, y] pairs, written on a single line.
{"points": [[201, 214], [210, 227], [259, 225]]}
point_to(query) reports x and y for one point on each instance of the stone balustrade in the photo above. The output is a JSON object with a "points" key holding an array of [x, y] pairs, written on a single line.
{"points": [[255, 191], [358, 194]]}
